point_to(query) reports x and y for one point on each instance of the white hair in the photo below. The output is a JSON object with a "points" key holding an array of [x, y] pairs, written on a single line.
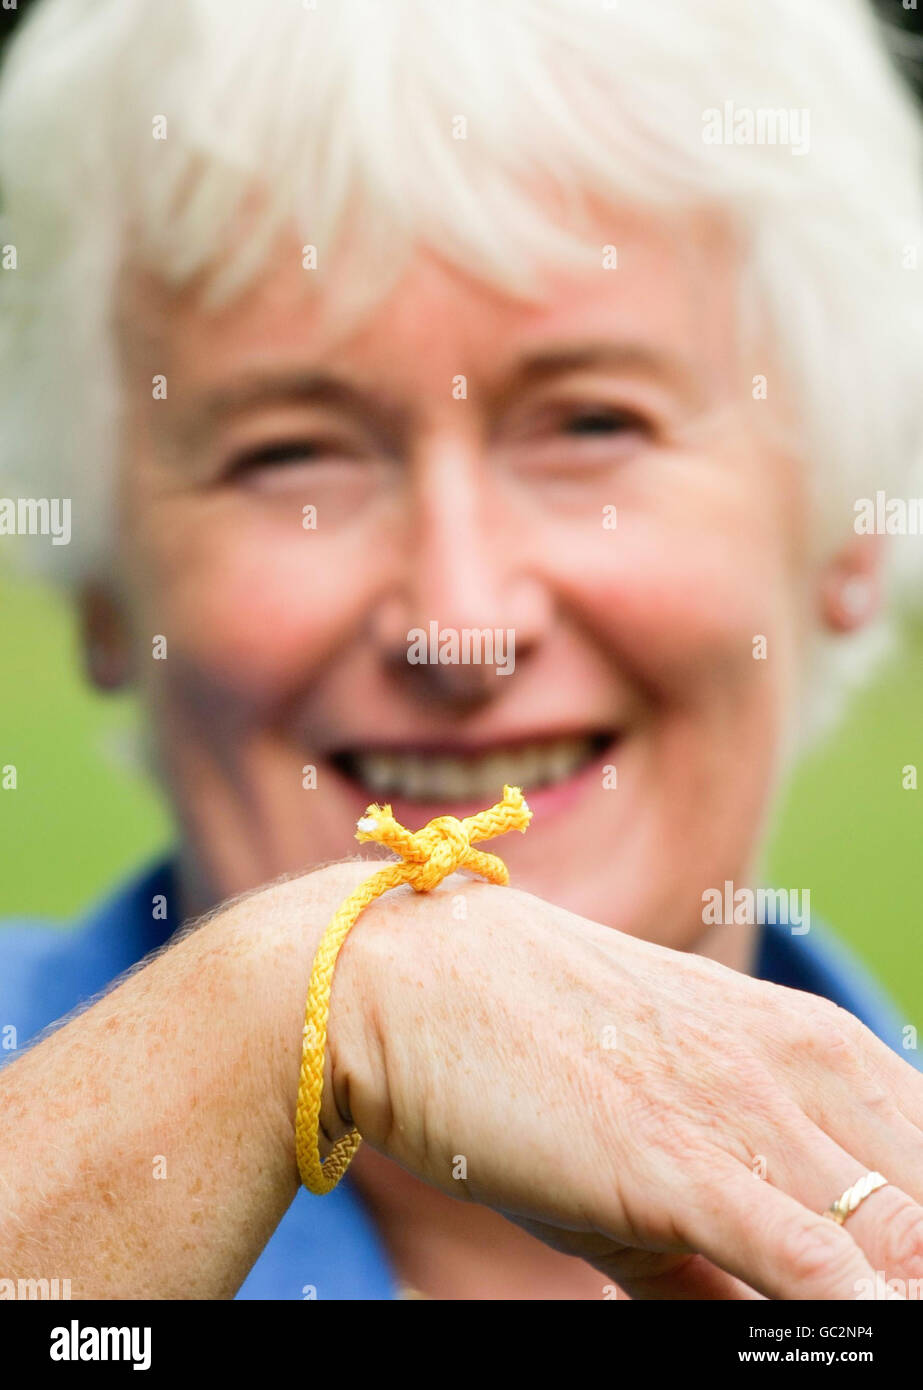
{"points": [[344, 115]]}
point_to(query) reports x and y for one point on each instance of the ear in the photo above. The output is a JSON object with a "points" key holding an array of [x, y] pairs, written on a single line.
{"points": [[852, 583], [104, 637]]}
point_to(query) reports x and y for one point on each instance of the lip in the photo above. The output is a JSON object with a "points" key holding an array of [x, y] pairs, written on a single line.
{"points": [[462, 748], [545, 803]]}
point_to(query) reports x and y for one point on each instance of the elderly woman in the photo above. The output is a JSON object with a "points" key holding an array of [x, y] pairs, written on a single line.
{"points": [[357, 331]]}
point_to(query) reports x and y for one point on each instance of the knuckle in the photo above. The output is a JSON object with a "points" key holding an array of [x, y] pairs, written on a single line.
{"points": [[872, 1093], [814, 1250], [826, 1033], [904, 1240], [848, 1025]]}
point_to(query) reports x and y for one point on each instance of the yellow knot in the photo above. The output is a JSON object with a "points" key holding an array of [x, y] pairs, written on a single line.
{"points": [[427, 856], [444, 845]]}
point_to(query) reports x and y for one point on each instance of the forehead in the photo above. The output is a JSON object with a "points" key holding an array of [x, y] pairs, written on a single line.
{"points": [[660, 281]]}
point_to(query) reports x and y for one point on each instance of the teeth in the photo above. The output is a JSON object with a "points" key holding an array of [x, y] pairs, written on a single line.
{"points": [[495, 769], [559, 762], [378, 771], [423, 778], [451, 778], [415, 778]]}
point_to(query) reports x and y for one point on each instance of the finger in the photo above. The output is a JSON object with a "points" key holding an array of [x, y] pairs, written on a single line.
{"points": [[887, 1143], [767, 1239], [862, 1103], [851, 1064], [647, 1274], [859, 1093], [892, 1146], [897, 1074], [887, 1225], [675, 1277], [891, 1092]]}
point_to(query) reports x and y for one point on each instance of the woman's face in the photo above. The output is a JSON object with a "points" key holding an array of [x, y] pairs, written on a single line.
{"points": [[589, 478]]}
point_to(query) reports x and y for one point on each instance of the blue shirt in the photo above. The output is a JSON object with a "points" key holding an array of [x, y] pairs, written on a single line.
{"points": [[326, 1244]]}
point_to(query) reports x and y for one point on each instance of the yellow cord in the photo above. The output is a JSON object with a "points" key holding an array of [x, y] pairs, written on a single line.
{"points": [[427, 857]]}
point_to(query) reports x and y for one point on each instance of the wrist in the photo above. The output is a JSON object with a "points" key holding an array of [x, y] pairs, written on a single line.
{"points": [[292, 918]]}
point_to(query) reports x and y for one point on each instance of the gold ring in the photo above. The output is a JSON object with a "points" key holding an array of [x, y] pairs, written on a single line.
{"points": [[844, 1206]]}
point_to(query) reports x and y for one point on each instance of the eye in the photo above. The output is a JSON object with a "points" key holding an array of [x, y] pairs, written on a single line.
{"points": [[275, 460], [286, 451], [603, 420]]}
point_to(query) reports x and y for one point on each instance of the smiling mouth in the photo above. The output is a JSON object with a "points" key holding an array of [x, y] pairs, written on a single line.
{"points": [[419, 774]]}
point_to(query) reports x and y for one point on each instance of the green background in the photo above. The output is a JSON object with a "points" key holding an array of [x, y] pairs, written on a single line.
{"points": [[82, 814]]}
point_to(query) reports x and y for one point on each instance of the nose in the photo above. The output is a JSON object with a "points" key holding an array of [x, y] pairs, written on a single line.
{"points": [[467, 570]]}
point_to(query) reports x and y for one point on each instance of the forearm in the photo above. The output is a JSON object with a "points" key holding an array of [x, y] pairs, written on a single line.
{"points": [[146, 1147]]}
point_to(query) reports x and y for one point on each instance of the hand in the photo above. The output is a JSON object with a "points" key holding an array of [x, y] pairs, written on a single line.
{"points": [[616, 1098]]}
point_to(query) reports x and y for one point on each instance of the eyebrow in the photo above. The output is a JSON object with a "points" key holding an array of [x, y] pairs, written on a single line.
{"points": [[267, 388], [669, 368], [294, 388]]}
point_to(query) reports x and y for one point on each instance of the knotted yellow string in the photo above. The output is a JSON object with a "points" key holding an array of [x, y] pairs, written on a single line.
{"points": [[427, 857]]}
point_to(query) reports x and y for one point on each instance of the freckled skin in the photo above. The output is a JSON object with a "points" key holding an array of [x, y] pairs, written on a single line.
{"points": [[178, 1061]]}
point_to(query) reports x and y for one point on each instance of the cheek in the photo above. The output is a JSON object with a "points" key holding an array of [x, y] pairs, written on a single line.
{"points": [[251, 603], [690, 589]]}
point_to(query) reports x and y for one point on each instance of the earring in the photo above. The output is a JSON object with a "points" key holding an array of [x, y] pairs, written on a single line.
{"points": [[855, 598]]}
